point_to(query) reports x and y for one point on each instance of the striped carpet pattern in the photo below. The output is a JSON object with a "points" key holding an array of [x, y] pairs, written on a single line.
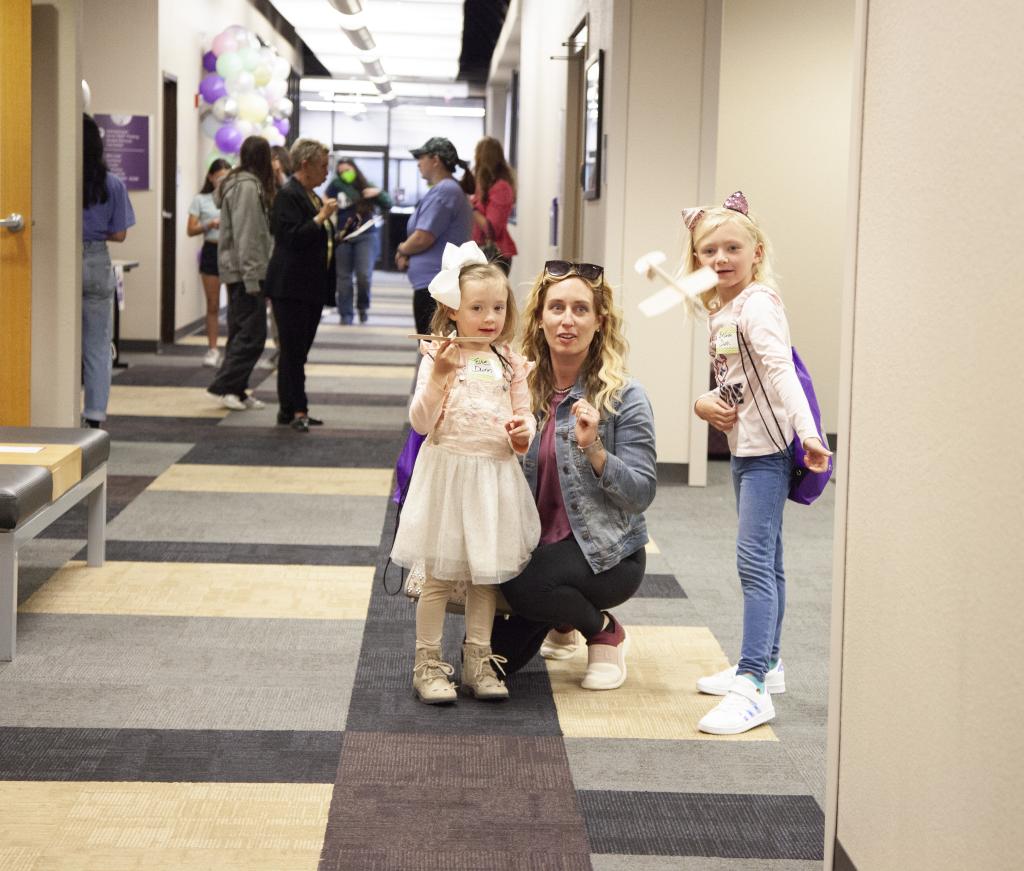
{"points": [[231, 690]]}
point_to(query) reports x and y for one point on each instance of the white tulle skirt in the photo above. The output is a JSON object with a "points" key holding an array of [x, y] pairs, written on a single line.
{"points": [[467, 517]]}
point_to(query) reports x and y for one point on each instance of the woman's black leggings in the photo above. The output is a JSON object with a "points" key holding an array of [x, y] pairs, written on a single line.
{"points": [[559, 587]]}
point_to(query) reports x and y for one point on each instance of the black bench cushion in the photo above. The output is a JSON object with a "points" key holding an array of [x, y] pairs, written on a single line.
{"points": [[95, 443], [23, 491]]}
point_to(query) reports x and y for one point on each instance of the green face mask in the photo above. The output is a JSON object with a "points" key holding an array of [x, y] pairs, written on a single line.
{"points": [[348, 176]]}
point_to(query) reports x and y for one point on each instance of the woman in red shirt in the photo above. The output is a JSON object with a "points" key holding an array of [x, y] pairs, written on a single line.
{"points": [[494, 200]]}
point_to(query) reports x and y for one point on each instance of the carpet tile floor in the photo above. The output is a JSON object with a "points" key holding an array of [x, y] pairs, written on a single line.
{"points": [[231, 690]]}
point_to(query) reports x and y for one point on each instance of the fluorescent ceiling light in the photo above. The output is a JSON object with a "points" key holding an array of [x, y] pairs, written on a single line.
{"points": [[455, 111]]}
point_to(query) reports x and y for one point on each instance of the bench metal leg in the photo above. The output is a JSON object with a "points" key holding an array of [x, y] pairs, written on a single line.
{"points": [[8, 595], [97, 542]]}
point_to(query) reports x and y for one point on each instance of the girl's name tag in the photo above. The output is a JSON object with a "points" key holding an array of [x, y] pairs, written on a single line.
{"points": [[726, 342], [482, 368]]}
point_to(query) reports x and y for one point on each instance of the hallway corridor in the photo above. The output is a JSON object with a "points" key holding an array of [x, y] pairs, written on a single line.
{"points": [[232, 689]]}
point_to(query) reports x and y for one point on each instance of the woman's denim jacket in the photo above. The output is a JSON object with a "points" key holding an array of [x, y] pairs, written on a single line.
{"points": [[606, 513]]}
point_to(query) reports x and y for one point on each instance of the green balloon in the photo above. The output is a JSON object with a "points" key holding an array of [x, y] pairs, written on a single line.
{"points": [[229, 65]]}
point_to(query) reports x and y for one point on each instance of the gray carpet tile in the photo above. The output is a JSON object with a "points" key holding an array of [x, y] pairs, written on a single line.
{"points": [[467, 802], [363, 422], [256, 518], [396, 400], [605, 862], [704, 824], [658, 612], [759, 767], [101, 671], [144, 458], [234, 552], [660, 587], [169, 755], [121, 492], [354, 341], [360, 386], [280, 446], [142, 428], [166, 376]]}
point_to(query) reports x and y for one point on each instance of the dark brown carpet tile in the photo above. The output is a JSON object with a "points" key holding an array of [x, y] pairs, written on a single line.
{"points": [[725, 825], [458, 803], [169, 755], [281, 446], [121, 490], [139, 428]]}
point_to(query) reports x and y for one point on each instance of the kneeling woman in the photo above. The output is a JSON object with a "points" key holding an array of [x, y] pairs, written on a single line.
{"points": [[592, 472]]}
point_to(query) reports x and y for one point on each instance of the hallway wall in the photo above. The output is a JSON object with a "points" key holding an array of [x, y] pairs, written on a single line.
{"points": [[929, 504], [154, 37]]}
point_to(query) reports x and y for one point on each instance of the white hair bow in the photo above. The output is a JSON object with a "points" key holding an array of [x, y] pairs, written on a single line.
{"points": [[444, 287]]}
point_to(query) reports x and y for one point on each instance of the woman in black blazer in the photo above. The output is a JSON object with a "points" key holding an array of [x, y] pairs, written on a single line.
{"points": [[300, 275]]}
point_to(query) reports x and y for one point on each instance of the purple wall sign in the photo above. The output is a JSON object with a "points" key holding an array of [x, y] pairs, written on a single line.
{"points": [[126, 148]]}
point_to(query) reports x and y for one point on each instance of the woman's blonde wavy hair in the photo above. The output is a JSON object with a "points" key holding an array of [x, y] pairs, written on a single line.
{"points": [[604, 369], [442, 324], [711, 220]]}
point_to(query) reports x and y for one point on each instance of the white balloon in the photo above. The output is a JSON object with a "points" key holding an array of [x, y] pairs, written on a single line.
{"points": [[226, 109], [244, 82], [252, 107], [209, 125], [246, 128], [274, 90], [283, 108], [272, 135], [281, 68]]}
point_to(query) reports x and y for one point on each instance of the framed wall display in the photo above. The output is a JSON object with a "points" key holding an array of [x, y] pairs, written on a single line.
{"points": [[592, 123]]}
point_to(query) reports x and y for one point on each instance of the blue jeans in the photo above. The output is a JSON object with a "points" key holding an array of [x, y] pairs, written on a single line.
{"points": [[762, 486], [97, 327], [356, 256]]}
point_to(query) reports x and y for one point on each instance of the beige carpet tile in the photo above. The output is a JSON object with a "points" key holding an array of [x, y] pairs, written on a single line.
{"points": [[345, 370], [652, 547], [163, 402], [170, 589], [186, 826], [659, 699], [185, 477]]}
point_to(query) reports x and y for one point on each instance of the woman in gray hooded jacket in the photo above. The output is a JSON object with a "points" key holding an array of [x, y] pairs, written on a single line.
{"points": [[244, 198]]}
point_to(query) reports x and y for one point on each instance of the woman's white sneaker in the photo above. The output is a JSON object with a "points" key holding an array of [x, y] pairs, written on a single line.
{"points": [[719, 684], [743, 708], [212, 358]]}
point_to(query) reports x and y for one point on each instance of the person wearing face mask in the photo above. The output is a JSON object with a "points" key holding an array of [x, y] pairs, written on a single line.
{"points": [[358, 202]]}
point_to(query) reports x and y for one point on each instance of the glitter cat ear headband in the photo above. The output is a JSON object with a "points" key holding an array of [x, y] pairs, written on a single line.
{"points": [[735, 201]]}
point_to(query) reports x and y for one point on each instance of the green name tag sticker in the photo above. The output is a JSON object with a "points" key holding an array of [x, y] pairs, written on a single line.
{"points": [[726, 342]]}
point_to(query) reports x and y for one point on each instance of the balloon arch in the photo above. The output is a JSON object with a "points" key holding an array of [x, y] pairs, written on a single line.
{"points": [[243, 93]]}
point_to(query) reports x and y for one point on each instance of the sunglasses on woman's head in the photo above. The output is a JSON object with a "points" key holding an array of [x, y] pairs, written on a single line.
{"points": [[561, 268]]}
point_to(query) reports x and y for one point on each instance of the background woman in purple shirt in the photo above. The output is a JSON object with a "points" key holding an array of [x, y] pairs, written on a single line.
{"points": [[107, 214]]}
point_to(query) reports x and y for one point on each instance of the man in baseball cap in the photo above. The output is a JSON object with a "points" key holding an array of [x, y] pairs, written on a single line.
{"points": [[442, 148]]}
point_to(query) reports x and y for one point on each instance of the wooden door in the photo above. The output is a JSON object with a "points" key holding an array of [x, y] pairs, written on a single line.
{"points": [[15, 199]]}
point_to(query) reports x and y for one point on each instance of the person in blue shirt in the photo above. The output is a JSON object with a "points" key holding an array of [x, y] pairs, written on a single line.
{"points": [[443, 215], [107, 214]]}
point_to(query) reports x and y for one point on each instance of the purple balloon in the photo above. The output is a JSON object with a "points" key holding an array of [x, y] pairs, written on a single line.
{"points": [[212, 88], [228, 139], [283, 125], [210, 62]]}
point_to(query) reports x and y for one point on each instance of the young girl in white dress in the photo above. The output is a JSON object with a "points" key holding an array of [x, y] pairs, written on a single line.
{"points": [[469, 514]]}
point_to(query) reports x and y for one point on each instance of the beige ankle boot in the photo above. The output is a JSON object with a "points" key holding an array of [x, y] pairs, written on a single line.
{"points": [[478, 676], [430, 677]]}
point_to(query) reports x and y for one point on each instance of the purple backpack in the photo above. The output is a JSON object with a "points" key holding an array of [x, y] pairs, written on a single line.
{"points": [[804, 486]]}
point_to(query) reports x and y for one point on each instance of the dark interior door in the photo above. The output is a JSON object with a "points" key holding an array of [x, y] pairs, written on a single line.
{"points": [[169, 218]]}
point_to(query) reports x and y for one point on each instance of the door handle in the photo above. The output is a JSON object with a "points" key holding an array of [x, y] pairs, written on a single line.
{"points": [[13, 222], [167, 215]]}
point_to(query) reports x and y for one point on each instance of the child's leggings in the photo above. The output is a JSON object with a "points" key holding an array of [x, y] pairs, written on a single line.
{"points": [[481, 602]]}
